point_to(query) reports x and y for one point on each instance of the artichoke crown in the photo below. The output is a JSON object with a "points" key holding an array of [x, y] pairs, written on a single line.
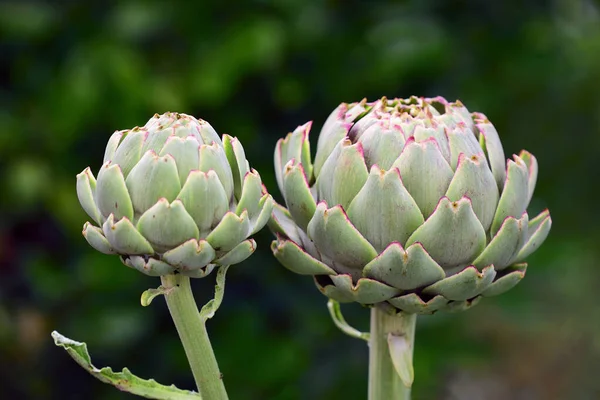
{"points": [[172, 196], [410, 202]]}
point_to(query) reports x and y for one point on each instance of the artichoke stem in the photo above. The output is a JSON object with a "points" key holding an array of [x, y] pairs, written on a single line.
{"points": [[194, 337], [387, 381]]}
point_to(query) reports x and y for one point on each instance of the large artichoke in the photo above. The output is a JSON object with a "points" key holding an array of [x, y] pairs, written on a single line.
{"points": [[171, 196], [409, 202]]}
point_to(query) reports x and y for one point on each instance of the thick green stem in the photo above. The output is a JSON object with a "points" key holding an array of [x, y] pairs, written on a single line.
{"points": [[390, 333], [192, 332]]}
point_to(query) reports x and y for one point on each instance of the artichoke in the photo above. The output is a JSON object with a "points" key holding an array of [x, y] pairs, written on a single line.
{"points": [[172, 196], [409, 202]]}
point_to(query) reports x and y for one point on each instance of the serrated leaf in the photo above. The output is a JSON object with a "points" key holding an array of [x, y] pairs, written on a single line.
{"points": [[124, 380]]}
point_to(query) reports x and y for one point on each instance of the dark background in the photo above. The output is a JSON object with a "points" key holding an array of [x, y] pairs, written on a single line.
{"points": [[73, 72]]}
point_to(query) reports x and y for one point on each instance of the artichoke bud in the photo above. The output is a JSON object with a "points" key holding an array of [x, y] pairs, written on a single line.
{"points": [[410, 202], [172, 197]]}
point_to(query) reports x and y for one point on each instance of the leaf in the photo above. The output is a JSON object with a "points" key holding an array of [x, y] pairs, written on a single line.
{"points": [[335, 312], [125, 380], [401, 353], [150, 294], [210, 308]]}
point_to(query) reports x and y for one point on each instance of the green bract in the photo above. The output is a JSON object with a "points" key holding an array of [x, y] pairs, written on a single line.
{"points": [[409, 202], [171, 196]]}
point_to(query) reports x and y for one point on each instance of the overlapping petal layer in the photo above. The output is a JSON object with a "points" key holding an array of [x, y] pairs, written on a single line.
{"points": [[409, 202], [173, 197]]}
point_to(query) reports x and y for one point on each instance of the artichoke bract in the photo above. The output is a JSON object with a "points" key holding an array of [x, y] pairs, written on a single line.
{"points": [[171, 196], [409, 202]]}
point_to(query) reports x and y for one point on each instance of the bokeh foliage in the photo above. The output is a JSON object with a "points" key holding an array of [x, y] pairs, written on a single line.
{"points": [[73, 72]]}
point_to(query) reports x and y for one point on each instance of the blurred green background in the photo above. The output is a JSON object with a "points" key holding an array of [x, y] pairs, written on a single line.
{"points": [[73, 72]]}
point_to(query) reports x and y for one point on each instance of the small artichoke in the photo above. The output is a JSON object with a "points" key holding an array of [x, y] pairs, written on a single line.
{"points": [[172, 196], [409, 202]]}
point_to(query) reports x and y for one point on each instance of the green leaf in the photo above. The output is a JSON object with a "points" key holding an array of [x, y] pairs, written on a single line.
{"points": [[335, 312], [209, 309], [125, 380], [149, 295], [401, 353]]}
